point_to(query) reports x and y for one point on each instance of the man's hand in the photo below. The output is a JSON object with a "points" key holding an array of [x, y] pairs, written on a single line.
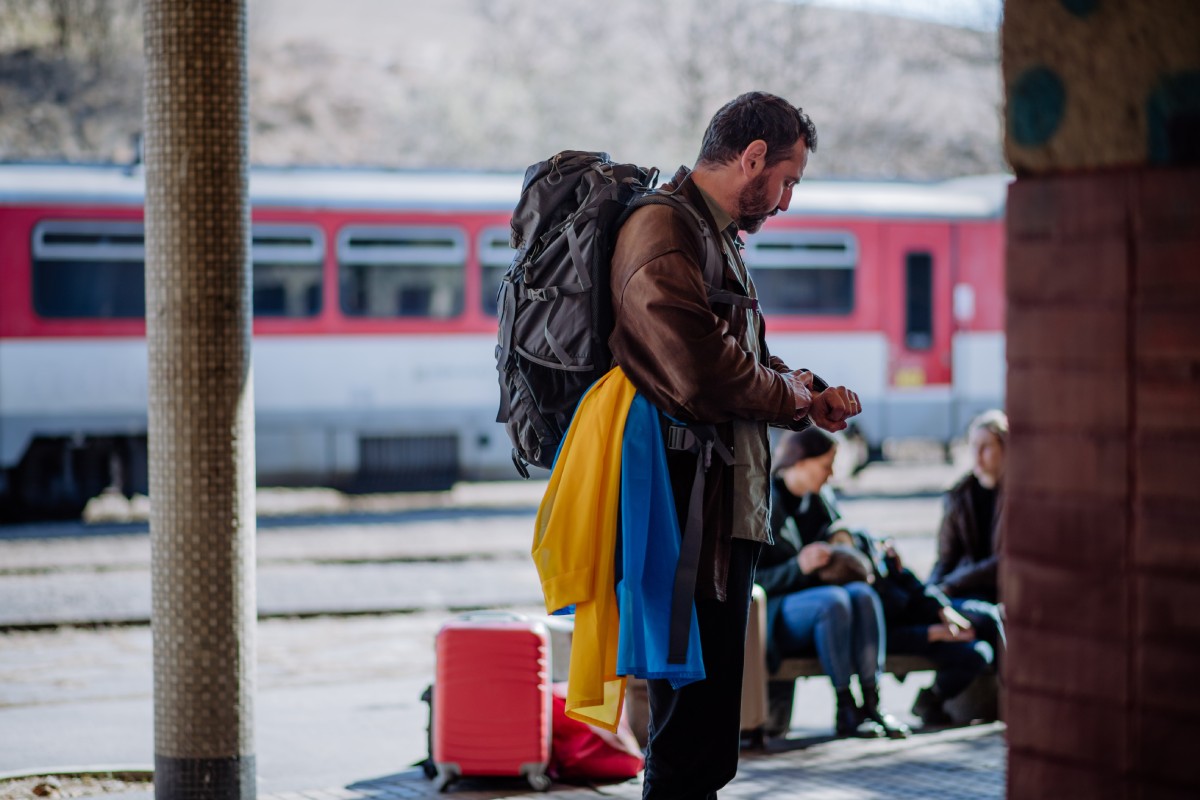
{"points": [[801, 383], [831, 408], [813, 556]]}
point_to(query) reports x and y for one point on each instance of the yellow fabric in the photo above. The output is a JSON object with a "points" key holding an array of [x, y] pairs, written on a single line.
{"points": [[574, 547]]}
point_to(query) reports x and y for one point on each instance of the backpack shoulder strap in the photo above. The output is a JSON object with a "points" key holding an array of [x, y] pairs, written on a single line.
{"points": [[714, 255]]}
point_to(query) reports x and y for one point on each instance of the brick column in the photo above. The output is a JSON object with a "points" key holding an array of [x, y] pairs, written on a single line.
{"points": [[1101, 577], [201, 410]]}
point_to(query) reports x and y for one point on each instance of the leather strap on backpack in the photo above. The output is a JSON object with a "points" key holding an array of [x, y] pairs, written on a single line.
{"points": [[713, 268]]}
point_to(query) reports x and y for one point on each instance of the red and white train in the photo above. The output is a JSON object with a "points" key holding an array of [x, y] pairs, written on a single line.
{"points": [[374, 330]]}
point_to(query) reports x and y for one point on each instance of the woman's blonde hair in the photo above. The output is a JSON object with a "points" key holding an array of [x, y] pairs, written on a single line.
{"points": [[994, 421]]}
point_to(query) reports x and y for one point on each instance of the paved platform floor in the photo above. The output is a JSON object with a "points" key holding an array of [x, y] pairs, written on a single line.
{"points": [[954, 764]]}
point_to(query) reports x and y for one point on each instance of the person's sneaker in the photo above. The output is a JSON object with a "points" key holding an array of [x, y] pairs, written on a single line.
{"points": [[928, 706]]}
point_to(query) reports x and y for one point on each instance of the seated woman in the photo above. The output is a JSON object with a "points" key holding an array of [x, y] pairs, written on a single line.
{"points": [[843, 624], [970, 535], [920, 620]]}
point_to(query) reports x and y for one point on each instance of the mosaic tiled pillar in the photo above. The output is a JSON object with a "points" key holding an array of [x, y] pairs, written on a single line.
{"points": [[1101, 574], [201, 408]]}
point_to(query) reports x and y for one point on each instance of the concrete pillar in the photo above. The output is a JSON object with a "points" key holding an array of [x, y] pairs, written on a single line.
{"points": [[201, 440], [1101, 577]]}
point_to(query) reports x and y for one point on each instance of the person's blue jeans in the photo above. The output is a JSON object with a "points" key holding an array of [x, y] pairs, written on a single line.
{"points": [[958, 663], [844, 624]]}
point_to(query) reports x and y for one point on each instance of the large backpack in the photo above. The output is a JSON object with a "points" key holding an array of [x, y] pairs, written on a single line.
{"points": [[554, 303]]}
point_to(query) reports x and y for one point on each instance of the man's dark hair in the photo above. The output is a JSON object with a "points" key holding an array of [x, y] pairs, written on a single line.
{"points": [[756, 115]]}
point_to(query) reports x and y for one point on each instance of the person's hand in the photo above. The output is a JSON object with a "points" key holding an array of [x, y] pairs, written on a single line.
{"points": [[948, 632], [951, 616], [954, 628], [891, 556], [801, 383], [831, 408], [813, 556]]}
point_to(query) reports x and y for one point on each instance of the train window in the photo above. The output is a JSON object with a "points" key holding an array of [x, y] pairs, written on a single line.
{"points": [[918, 301], [96, 269], [401, 271], [88, 269], [495, 255], [287, 270], [804, 272]]}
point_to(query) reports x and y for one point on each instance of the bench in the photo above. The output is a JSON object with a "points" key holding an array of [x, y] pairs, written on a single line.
{"points": [[897, 665], [767, 698]]}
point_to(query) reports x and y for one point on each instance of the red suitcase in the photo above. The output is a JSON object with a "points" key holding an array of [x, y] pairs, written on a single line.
{"points": [[491, 699]]}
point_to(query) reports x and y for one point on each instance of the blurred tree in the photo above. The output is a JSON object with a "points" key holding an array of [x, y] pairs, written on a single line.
{"points": [[70, 78], [499, 84], [79, 29]]}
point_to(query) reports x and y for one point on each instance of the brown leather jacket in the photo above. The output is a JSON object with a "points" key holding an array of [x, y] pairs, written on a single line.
{"points": [[687, 358]]}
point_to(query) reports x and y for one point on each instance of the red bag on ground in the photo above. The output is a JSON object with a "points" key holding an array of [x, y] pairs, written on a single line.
{"points": [[584, 752]]}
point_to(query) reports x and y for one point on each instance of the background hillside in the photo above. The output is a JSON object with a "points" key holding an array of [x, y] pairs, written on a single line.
{"points": [[498, 84]]}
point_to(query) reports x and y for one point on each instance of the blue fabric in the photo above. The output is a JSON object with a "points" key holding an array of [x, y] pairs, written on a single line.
{"points": [[649, 553]]}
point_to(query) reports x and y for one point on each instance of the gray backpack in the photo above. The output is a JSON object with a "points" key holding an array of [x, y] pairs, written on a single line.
{"points": [[554, 302]]}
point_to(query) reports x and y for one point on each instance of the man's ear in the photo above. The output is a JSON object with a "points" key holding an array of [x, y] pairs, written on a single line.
{"points": [[754, 158]]}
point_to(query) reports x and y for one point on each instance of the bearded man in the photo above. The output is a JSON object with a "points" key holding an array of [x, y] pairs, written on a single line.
{"points": [[705, 362]]}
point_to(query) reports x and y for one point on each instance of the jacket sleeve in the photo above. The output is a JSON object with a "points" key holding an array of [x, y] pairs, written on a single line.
{"points": [[929, 601], [778, 572], [970, 576], [783, 578], [908, 639], [949, 544], [684, 357]]}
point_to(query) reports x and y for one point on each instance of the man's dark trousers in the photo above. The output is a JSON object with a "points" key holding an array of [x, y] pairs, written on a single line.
{"points": [[695, 732]]}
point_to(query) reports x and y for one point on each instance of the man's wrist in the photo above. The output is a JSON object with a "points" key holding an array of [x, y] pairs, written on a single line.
{"points": [[818, 383]]}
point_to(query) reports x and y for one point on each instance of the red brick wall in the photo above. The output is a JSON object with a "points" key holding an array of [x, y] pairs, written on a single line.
{"points": [[1101, 576]]}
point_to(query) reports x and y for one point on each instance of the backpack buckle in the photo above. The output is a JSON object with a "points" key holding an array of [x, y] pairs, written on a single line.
{"points": [[536, 294], [680, 438]]}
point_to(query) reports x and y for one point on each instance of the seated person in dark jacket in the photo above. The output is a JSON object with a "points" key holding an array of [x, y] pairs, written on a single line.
{"points": [[970, 535], [920, 621], [842, 624]]}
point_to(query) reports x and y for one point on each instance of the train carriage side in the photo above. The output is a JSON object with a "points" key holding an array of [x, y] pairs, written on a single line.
{"points": [[895, 290], [374, 320], [373, 331]]}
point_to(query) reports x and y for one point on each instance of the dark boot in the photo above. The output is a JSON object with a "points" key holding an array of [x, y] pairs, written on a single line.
{"points": [[892, 727], [929, 707], [850, 720]]}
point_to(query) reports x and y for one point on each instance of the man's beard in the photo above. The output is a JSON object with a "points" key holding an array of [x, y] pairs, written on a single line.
{"points": [[753, 208]]}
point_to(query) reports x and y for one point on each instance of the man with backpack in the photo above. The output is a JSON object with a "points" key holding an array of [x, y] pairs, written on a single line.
{"points": [[698, 353]]}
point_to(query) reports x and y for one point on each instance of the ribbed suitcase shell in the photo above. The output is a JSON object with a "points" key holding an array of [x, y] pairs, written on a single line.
{"points": [[491, 699]]}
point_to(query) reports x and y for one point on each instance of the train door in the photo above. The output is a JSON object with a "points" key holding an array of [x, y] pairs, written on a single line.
{"points": [[917, 284]]}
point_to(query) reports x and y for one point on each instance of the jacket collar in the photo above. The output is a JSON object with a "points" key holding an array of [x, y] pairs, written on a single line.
{"points": [[716, 216], [682, 183]]}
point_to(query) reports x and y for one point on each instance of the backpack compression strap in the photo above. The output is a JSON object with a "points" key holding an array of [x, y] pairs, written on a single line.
{"points": [[701, 440]]}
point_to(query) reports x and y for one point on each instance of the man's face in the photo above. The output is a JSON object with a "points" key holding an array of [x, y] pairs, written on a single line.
{"points": [[770, 191]]}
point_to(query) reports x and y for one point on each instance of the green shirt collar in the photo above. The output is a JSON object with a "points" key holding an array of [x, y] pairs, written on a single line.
{"points": [[720, 216]]}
